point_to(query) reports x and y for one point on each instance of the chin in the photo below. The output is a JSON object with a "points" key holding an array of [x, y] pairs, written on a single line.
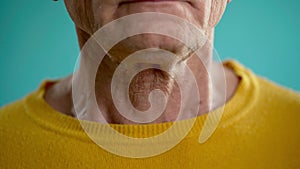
{"points": [[146, 41]]}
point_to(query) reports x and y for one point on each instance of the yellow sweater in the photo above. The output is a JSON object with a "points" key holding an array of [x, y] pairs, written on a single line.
{"points": [[260, 129]]}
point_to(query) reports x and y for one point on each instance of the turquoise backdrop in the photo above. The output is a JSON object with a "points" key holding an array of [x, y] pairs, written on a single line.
{"points": [[38, 42]]}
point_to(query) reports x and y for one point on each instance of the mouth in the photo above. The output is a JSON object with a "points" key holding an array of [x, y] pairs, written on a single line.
{"points": [[152, 1]]}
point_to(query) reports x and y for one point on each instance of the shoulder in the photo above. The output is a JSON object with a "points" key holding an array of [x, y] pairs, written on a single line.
{"points": [[266, 99], [280, 103], [278, 96], [15, 117], [12, 113], [266, 90]]}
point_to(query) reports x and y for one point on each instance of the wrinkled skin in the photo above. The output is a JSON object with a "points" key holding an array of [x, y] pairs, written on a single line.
{"points": [[91, 15]]}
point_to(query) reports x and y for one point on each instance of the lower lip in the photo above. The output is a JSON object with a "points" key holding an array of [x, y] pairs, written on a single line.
{"points": [[147, 1]]}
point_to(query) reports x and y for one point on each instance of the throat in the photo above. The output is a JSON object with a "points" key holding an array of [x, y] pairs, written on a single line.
{"points": [[148, 80]]}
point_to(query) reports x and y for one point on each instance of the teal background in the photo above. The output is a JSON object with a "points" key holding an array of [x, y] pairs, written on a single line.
{"points": [[38, 42]]}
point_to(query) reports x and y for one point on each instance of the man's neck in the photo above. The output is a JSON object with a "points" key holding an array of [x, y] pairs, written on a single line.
{"points": [[141, 85]]}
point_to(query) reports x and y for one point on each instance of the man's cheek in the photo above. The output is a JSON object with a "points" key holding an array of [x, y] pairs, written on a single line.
{"points": [[217, 9]]}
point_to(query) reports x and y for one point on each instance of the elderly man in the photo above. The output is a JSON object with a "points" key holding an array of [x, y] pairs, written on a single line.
{"points": [[55, 126]]}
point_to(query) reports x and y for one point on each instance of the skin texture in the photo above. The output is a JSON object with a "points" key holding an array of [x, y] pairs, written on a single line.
{"points": [[90, 15]]}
